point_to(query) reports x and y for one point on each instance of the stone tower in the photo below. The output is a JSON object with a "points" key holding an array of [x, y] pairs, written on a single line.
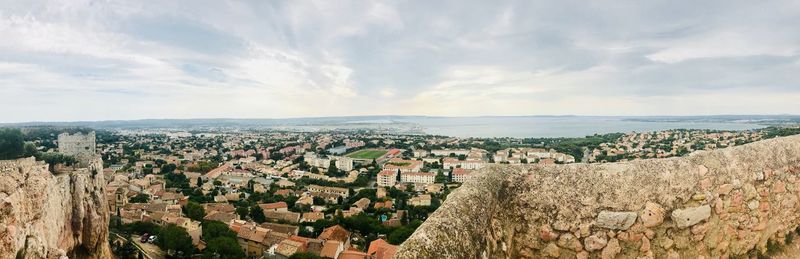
{"points": [[79, 145]]}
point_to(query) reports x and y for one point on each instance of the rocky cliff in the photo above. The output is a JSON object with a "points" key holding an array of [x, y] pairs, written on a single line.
{"points": [[47, 215], [716, 204]]}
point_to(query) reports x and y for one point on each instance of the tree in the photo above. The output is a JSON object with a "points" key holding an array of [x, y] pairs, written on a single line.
{"points": [[175, 238], [332, 170], [195, 211], [199, 182], [125, 251], [214, 229], [224, 247], [139, 198], [168, 168], [12, 144], [242, 211], [399, 235], [257, 214]]}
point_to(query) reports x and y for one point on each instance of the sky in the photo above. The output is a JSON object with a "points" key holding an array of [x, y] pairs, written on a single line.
{"points": [[71, 60]]}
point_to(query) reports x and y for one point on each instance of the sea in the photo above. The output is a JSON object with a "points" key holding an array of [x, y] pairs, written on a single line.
{"points": [[558, 126]]}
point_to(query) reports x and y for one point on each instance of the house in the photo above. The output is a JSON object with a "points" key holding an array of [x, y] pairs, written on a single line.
{"points": [[283, 183], [343, 192], [220, 207], [362, 203], [252, 240], [312, 216], [380, 249], [434, 188], [275, 206], [380, 193], [290, 246], [291, 217], [305, 200], [281, 228], [385, 204], [224, 217], [336, 233], [422, 200], [352, 254], [331, 249]]}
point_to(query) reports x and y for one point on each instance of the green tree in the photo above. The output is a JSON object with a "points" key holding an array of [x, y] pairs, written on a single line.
{"points": [[139, 198], [242, 211], [399, 235], [213, 229], [176, 239], [12, 144], [257, 214], [195, 211], [332, 170], [224, 247]]}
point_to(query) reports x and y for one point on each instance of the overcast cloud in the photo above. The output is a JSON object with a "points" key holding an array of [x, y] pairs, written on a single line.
{"points": [[101, 60]]}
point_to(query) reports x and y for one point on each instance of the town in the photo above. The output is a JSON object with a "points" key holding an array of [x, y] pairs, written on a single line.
{"points": [[279, 194]]}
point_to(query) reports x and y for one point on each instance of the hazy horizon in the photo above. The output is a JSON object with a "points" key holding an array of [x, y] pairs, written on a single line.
{"points": [[85, 60], [417, 116]]}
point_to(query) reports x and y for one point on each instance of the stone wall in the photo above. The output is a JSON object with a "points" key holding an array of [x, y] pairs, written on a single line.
{"points": [[43, 215], [714, 204], [79, 145]]}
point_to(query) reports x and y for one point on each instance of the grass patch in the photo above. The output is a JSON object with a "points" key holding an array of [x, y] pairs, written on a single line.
{"points": [[367, 154]]}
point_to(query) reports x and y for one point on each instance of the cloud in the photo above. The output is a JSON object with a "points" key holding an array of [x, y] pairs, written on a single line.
{"points": [[93, 60]]}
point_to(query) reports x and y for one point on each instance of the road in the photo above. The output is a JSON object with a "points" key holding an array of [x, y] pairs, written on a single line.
{"points": [[150, 250]]}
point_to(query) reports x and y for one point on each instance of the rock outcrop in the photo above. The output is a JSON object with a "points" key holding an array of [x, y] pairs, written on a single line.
{"points": [[52, 215], [715, 204]]}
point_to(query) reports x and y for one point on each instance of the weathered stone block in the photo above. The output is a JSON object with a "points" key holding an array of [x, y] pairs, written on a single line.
{"points": [[690, 216], [593, 243], [615, 220]]}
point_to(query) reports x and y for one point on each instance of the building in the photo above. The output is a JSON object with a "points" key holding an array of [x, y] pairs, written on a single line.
{"points": [[336, 233], [448, 152], [417, 177], [287, 216], [422, 200], [289, 230], [380, 249], [461, 175], [451, 162], [338, 150], [404, 166], [252, 240], [331, 249], [275, 206], [362, 203], [343, 192], [387, 178]]}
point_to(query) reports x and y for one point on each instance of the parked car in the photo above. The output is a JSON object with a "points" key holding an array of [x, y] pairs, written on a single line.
{"points": [[152, 239], [144, 238]]}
